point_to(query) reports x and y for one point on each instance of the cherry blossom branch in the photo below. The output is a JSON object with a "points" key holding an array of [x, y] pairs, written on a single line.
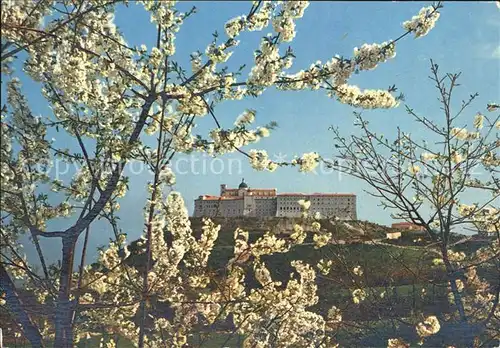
{"points": [[55, 29]]}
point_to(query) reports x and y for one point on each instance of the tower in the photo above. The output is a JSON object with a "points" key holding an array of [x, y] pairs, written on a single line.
{"points": [[243, 184], [242, 188]]}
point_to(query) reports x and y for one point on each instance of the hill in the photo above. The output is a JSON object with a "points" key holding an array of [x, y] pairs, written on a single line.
{"points": [[386, 267]]}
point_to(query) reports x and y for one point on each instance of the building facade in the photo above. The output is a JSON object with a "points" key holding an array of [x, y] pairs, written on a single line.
{"points": [[245, 201]]}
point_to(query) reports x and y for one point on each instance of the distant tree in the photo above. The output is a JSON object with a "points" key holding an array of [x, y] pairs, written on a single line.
{"points": [[112, 100], [445, 182]]}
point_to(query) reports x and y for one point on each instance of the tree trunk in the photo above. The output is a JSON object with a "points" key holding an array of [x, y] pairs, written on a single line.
{"points": [[467, 330], [17, 309], [64, 308], [451, 275]]}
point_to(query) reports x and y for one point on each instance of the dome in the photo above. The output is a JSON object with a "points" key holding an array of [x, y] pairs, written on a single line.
{"points": [[243, 185]]}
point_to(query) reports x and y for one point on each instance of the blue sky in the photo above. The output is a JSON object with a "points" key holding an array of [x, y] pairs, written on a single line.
{"points": [[466, 38]]}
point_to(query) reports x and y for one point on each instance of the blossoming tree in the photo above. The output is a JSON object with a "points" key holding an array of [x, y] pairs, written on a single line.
{"points": [[445, 185], [110, 97]]}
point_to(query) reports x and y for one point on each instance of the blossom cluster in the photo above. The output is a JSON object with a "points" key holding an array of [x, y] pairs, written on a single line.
{"points": [[258, 21], [422, 23], [284, 23], [428, 327], [368, 99], [369, 56], [486, 219], [308, 161], [22, 13], [268, 66]]}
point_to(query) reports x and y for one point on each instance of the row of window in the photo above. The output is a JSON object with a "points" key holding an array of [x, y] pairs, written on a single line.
{"points": [[318, 204], [315, 199]]}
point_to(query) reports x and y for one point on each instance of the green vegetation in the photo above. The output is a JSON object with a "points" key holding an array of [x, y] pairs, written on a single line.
{"points": [[401, 272], [395, 278]]}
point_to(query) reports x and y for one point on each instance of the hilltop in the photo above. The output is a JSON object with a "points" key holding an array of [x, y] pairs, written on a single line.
{"points": [[347, 230]]}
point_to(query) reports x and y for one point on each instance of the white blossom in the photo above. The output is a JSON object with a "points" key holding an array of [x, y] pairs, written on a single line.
{"points": [[235, 26], [358, 296], [259, 159], [422, 23], [459, 133], [428, 327], [426, 156], [304, 204], [368, 99], [369, 56], [414, 169], [308, 162], [358, 271], [167, 176], [247, 117], [478, 121]]}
